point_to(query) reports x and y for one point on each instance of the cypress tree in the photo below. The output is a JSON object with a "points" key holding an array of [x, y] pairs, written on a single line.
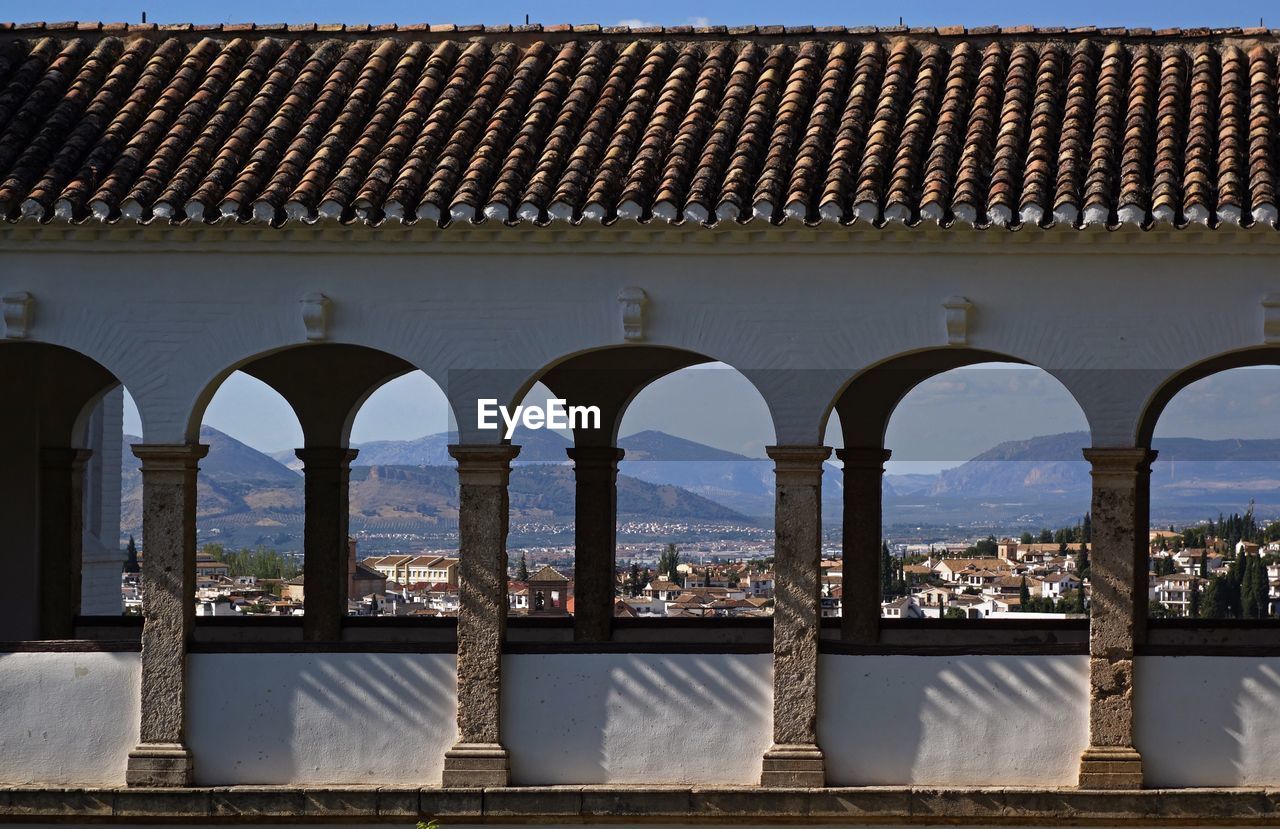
{"points": [[1024, 594], [522, 571]]}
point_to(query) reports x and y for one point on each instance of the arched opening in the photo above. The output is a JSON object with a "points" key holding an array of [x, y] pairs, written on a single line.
{"points": [[981, 510], [669, 492], [273, 491], [1214, 538], [403, 496], [250, 520], [59, 491], [696, 497]]}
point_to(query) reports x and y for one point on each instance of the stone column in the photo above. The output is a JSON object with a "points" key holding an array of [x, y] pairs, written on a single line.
{"points": [[1117, 613], [595, 535], [168, 581], [861, 539], [327, 472], [478, 758], [61, 539], [794, 759]]}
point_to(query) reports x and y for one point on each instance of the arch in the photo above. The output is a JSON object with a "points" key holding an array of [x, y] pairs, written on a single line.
{"points": [[324, 383], [1160, 399], [867, 401], [611, 377]]}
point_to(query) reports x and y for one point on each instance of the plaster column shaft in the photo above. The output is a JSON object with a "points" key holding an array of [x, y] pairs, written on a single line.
{"points": [[168, 580], [478, 758], [61, 539], [861, 540], [327, 473], [1117, 613], [595, 535], [794, 760]]}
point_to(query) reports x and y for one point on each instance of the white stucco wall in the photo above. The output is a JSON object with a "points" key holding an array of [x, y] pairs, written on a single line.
{"points": [[1208, 720], [637, 718], [68, 718], [171, 319], [321, 718], [961, 721]]}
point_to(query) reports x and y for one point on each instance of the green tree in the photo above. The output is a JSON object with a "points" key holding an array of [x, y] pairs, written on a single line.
{"points": [[1214, 604], [1193, 602], [636, 581], [1027, 538], [954, 613], [1024, 594], [1082, 562], [522, 571], [886, 572], [1046, 536], [669, 563]]}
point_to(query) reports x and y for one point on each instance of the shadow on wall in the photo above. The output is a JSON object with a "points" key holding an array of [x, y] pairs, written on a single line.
{"points": [[321, 718], [1208, 720], [637, 718], [963, 721]]}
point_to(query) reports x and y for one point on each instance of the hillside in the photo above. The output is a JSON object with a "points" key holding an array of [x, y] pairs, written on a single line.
{"points": [[246, 497]]}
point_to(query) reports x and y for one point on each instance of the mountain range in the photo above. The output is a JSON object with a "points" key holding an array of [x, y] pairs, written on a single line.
{"points": [[409, 488]]}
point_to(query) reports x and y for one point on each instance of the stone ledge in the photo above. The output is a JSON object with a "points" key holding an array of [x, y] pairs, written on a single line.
{"points": [[641, 804]]}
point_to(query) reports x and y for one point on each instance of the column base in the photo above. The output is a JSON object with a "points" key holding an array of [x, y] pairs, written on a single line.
{"points": [[476, 766], [794, 767], [1110, 767], [159, 765]]}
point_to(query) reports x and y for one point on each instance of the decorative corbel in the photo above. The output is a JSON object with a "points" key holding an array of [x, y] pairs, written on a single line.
{"points": [[1271, 319], [315, 315], [17, 314], [957, 308], [633, 301]]}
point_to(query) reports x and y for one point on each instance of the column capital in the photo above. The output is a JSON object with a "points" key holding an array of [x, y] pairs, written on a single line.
{"points": [[169, 457], [483, 465], [1118, 466], [863, 457], [798, 464], [326, 455]]}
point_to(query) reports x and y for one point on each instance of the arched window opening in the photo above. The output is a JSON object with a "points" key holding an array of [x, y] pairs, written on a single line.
{"points": [[984, 498], [695, 499], [403, 503], [249, 505], [1214, 538], [60, 487]]}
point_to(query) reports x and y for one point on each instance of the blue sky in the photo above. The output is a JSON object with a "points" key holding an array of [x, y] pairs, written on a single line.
{"points": [[664, 12]]}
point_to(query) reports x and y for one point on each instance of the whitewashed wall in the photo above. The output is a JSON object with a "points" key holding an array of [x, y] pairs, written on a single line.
{"points": [[68, 718], [1208, 720], [637, 718], [961, 721], [321, 718]]}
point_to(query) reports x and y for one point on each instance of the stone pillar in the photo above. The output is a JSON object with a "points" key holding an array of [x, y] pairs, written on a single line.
{"points": [[794, 759], [1117, 613], [478, 758], [595, 537], [861, 539], [327, 472], [168, 582], [61, 539]]}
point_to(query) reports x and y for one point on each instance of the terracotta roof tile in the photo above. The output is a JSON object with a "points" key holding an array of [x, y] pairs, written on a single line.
{"points": [[985, 127]]}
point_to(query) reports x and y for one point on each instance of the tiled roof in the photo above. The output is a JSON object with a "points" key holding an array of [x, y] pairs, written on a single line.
{"points": [[445, 124]]}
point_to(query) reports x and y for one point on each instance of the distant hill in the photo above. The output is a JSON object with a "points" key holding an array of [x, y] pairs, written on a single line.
{"points": [[1047, 479], [246, 497]]}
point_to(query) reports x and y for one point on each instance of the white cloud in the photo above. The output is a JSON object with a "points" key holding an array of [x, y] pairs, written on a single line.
{"points": [[636, 23], [699, 21]]}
